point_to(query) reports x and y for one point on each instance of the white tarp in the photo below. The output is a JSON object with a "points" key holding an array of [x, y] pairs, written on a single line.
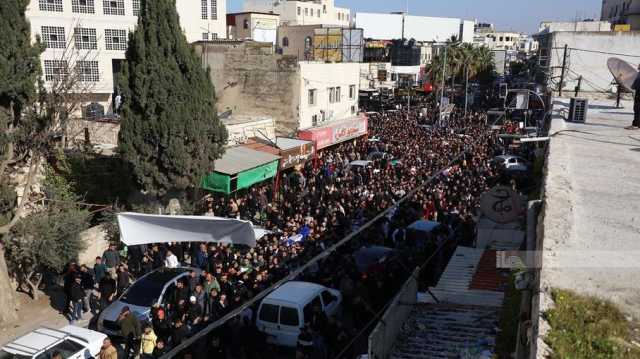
{"points": [[140, 228]]}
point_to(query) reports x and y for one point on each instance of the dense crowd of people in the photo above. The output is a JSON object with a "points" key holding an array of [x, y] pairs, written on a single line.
{"points": [[316, 205]]}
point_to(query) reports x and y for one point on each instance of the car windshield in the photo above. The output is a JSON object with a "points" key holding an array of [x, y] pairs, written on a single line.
{"points": [[143, 293], [7, 355]]}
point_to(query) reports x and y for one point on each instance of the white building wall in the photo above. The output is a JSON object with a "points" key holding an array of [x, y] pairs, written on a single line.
{"points": [[322, 12], [321, 77], [592, 65], [468, 31], [194, 26], [421, 28], [190, 18]]}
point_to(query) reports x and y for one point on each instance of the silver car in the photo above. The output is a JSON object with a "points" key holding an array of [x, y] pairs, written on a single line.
{"points": [[153, 288]]}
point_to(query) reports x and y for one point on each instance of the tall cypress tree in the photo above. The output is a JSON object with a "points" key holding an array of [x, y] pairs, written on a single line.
{"points": [[170, 132], [19, 71]]}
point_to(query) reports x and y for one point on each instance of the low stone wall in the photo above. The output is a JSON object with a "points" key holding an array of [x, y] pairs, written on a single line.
{"points": [[99, 132], [95, 240]]}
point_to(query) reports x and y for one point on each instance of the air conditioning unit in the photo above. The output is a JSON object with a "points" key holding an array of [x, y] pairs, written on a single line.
{"points": [[578, 110]]}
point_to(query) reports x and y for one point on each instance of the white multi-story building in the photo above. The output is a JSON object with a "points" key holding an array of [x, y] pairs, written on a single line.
{"points": [[302, 12], [90, 36], [381, 26]]}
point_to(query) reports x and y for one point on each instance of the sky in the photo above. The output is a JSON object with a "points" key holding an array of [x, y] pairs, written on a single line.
{"points": [[507, 15]]}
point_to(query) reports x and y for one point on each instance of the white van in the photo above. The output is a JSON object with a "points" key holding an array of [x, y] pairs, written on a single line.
{"points": [[284, 311]]}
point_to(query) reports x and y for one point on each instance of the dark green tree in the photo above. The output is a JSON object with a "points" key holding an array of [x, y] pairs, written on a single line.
{"points": [[170, 132], [19, 72]]}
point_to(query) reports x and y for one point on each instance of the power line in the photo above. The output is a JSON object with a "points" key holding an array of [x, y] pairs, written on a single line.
{"points": [[603, 52]]}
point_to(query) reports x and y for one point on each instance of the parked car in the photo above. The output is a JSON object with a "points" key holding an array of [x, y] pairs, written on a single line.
{"points": [[70, 341], [283, 313], [153, 288], [512, 163]]}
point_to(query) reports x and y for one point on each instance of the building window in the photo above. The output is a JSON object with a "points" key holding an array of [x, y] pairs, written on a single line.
{"points": [[299, 11], [314, 120], [311, 11], [204, 8], [318, 12], [347, 17], [53, 37], [113, 7], [245, 24], [285, 41], [214, 9], [352, 92], [306, 11], [353, 110], [115, 39], [51, 5], [334, 94], [88, 71], [55, 70], [85, 39], [312, 97], [214, 36], [83, 6], [205, 36], [308, 43], [136, 7], [324, 9]]}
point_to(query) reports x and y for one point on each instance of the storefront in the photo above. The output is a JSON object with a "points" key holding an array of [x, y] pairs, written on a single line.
{"points": [[335, 132], [293, 152], [240, 168]]}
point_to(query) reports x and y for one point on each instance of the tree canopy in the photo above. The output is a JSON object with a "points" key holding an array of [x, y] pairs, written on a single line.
{"points": [[170, 132], [478, 61]]}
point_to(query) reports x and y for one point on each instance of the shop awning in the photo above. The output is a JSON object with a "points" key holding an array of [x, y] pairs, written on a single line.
{"points": [[293, 151], [140, 228], [239, 168], [335, 132]]}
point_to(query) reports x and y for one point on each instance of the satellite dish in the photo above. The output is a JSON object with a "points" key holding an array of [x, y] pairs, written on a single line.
{"points": [[623, 72]]}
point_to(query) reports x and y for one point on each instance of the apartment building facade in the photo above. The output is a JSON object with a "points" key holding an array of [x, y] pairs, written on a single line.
{"points": [[91, 36], [303, 12]]}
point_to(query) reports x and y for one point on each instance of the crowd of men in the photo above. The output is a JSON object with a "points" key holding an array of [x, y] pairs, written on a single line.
{"points": [[316, 206]]}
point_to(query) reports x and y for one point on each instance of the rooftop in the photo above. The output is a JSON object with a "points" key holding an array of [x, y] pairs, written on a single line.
{"points": [[239, 159], [295, 292], [446, 331], [591, 224]]}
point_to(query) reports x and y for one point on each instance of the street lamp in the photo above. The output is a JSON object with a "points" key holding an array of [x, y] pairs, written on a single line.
{"points": [[444, 72]]}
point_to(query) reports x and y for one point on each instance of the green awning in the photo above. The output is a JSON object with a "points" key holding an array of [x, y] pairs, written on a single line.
{"points": [[227, 184], [217, 182]]}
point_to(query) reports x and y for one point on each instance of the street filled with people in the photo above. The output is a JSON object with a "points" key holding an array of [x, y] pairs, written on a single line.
{"points": [[441, 166]]}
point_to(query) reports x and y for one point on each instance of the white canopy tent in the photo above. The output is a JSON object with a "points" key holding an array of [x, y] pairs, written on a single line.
{"points": [[140, 228]]}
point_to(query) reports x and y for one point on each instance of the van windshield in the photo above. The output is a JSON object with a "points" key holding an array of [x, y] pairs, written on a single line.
{"points": [[269, 313]]}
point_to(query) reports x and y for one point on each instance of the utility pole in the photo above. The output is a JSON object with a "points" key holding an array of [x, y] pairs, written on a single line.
{"points": [[444, 72], [564, 65], [579, 86], [408, 101], [466, 87]]}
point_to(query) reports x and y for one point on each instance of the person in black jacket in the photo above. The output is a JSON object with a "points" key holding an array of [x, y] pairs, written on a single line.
{"points": [[636, 103], [180, 333], [107, 289], [76, 298], [87, 282]]}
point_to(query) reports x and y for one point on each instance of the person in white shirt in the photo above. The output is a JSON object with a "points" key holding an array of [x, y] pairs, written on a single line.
{"points": [[171, 261]]}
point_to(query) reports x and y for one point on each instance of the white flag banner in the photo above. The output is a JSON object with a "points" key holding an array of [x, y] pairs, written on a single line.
{"points": [[140, 228]]}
